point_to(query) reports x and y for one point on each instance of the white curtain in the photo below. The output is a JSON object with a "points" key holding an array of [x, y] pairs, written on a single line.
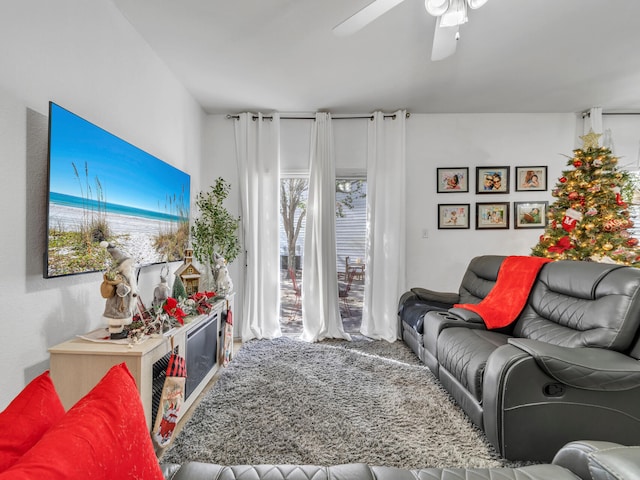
{"points": [[258, 157], [320, 308], [593, 121], [385, 249]]}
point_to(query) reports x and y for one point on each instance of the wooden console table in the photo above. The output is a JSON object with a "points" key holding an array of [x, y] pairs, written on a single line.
{"points": [[77, 365]]}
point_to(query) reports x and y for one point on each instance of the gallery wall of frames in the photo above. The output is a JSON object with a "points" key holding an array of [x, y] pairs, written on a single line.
{"points": [[490, 181]]}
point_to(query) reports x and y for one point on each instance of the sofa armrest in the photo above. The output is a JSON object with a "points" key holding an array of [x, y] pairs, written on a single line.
{"points": [[585, 368], [445, 299], [466, 315], [403, 299], [599, 460], [574, 456]]}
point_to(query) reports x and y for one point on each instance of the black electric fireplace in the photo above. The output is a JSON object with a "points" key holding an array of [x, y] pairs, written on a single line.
{"points": [[201, 352]]}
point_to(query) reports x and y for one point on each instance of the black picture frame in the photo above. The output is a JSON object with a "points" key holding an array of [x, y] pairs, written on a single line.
{"points": [[526, 216], [492, 179], [452, 179], [492, 215], [453, 215], [531, 178]]}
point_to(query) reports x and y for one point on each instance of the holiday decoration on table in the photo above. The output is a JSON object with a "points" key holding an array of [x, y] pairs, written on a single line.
{"points": [[119, 288], [590, 218]]}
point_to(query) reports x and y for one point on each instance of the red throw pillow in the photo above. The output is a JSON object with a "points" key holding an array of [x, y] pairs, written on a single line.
{"points": [[26, 419], [103, 436]]}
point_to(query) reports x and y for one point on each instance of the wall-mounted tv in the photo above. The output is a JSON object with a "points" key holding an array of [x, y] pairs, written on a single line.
{"points": [[103, 188]]}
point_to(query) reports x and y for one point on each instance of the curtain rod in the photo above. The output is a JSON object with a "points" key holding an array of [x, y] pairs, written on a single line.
{"points": [[336, 117], [588, 114]]}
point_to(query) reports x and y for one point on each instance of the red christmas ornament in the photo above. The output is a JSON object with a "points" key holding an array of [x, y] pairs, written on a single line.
{"points": [[577, 163], [563, 179], [632, 242], [573, 195]]}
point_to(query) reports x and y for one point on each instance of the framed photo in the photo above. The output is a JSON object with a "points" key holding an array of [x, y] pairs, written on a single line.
{"points": [[531, 178], [492, 179], [453, 215], [451, 180], [492, 215], [530, 214]]}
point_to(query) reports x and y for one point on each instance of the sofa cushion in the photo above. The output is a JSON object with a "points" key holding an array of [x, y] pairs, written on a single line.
{"points": [[26, 419], [103, 436], [621, 463], [431, 297], [463, 352], [583, 304], [479, 278]]}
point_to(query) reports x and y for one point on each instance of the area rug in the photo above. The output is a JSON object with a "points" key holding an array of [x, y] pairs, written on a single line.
{"points": [[288, 401]]}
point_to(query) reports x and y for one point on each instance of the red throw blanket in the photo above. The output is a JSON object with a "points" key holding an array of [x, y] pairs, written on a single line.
{"points": [[509, 295]]}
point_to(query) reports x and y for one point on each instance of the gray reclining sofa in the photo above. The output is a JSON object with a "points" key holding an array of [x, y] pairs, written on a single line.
{"points": [[566, 369], [583, 460]]}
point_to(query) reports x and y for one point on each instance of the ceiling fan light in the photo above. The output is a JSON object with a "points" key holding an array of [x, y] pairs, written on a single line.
{"points": [[473, 4], [436, 7], [455, 15]]}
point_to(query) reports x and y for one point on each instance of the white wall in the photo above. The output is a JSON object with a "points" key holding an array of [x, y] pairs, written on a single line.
{"points": [[86, 57], [625, 134], [438, 262], [219, 160]]}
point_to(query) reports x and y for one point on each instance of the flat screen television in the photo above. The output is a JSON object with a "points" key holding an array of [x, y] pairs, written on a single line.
{"points": [[102, 188]]}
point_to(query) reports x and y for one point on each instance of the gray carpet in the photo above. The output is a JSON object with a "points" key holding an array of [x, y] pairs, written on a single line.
{"points": [[287, 401]]}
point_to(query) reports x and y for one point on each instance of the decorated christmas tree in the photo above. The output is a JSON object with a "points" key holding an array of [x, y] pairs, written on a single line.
{"points": [[590, 218]]}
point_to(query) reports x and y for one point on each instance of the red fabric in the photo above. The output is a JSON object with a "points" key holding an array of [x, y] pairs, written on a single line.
{"points": [[26, 419], [509, 295], [102, 437]]}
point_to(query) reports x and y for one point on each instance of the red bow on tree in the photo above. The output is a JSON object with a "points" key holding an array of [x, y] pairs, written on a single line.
{"points": [[561, 245]]}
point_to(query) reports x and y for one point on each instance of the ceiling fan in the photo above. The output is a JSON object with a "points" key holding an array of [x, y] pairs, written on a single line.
{"points": [[450, 15]]}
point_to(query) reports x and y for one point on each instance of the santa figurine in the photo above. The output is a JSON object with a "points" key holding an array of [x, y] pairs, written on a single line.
{"points": [[120, 289]]}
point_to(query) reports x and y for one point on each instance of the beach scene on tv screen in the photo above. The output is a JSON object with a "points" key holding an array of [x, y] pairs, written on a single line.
{"points": [[102, 188]]}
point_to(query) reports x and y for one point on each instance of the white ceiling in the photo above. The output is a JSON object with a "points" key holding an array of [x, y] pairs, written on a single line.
{"points": [[513, 56]]}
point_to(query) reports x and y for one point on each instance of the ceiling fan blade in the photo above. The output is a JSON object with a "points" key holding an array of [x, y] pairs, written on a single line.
{"points": [[473, 4], [445, 41], [365, 16]]}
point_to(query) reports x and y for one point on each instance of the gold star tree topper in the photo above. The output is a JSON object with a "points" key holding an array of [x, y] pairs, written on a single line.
{"points": [[590, 140]]}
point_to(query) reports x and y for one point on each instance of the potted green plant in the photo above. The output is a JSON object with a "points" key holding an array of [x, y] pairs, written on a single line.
{"points": [[214, 232]]}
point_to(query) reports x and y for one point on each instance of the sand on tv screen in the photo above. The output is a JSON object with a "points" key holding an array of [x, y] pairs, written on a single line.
{"points": [[102, 188]]}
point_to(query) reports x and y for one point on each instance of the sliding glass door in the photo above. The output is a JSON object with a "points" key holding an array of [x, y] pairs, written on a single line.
{"points": [[350, 247]]}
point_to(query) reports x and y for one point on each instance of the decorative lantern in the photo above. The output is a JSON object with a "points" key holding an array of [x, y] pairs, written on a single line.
{"points": [[189, 274]]}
